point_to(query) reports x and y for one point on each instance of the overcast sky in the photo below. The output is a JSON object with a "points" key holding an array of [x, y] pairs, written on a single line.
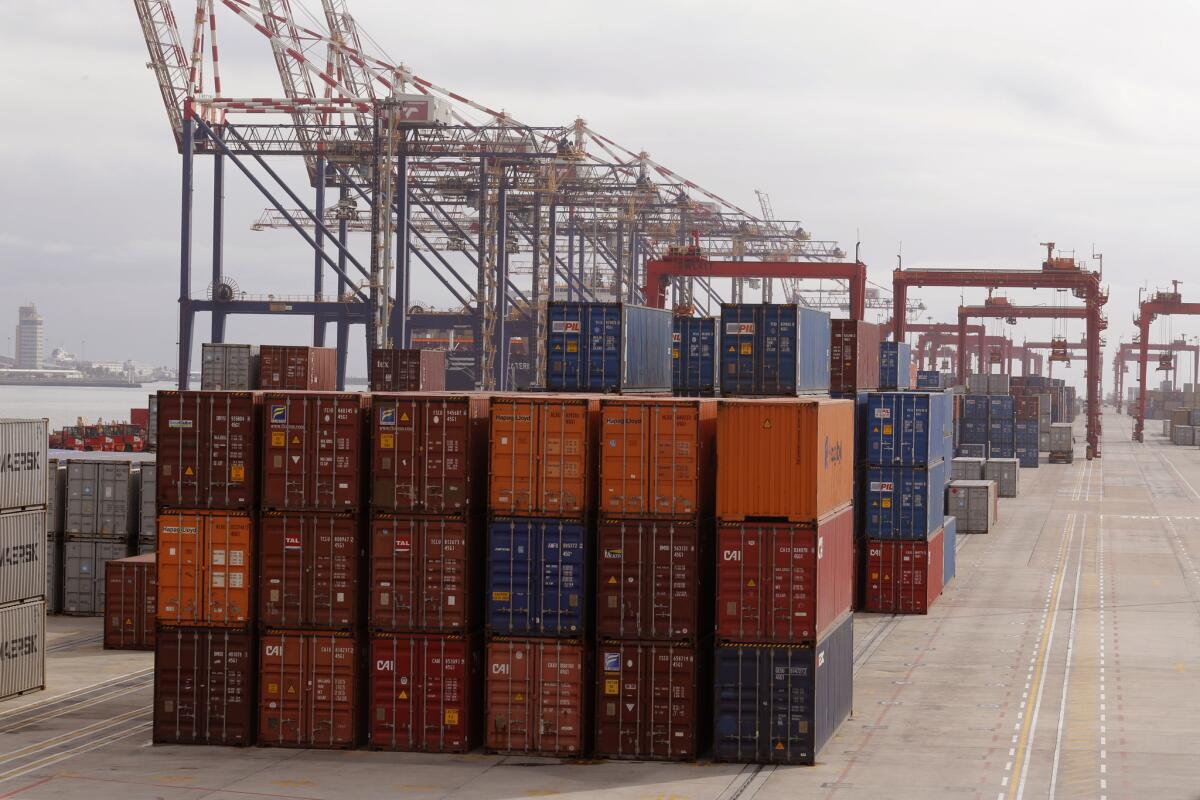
{"points": [[968, 134]]}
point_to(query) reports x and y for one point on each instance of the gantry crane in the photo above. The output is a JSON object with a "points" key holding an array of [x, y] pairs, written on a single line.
{"points": [[1000, 308], [1128, 351], [1160, 304]]}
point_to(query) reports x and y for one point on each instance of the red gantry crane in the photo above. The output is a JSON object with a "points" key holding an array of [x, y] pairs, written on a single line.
{"points": [[1161, 304], [1001, 308], [1128, 351]]}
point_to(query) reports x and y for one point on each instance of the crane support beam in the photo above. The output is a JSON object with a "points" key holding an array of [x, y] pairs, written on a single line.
{"points": [[1147, 312], [1005, 311], [1128, 351]]}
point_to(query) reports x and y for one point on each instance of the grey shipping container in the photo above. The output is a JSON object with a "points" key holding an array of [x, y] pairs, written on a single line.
{"points": [[972, 451], [1006, 472], [101, 498], [1183, 435], [228, 367], [152, 425], [22, 556], [56, 484], [1194, 417], [23, 631], [83, 573], [973, 504], [967, 469], [977, 383], [23, 463], [1044, 441], [998, 383], [1062, 438], [147, 524], [54, 573]]}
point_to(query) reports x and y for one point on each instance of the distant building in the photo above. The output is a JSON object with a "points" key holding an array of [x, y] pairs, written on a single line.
{"points": [[31, 338]]}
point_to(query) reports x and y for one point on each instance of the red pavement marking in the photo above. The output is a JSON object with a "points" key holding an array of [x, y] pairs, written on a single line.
{"points": [[24, 789]]}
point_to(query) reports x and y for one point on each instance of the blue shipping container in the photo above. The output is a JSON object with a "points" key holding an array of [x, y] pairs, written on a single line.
{"points": [[972, 431], [1001, 450], [1027, 457], [972, 450], [608, 347], [694, 356], [1001, 430], [895, 365], [948, 450], [949, 549], [907, 428], [537, 577], [905, 502], [780, 705], [975, 406], [773, 350], [860, 421], [1000, 406], [929, 380]]}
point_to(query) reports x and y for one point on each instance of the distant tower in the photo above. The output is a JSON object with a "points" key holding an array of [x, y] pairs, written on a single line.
{"points": [[31, 339]]}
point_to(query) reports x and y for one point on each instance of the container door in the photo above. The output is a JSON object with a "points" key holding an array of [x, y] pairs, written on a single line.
{"points": [[332, 591], [285, 680], [444, 575], [625, 451], [331, 704], [562, 579], [397, 453], [513, 561], [510, 696], [670, 687], [229, 560], [336, 422], [779, 359], [739, 346], [180, 548], [790, 708], [675, 459], [288, 453], [394, 573], [393, 693], [603, 341], [446, 432], [560, 697], [737, 718], [514, 444], [622, 705], [566, 353], [283, 562], [445, 685], [564, 433]]}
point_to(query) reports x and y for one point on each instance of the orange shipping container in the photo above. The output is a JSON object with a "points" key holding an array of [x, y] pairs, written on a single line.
{"points": [[656, 457], [205, 562], [784, 459], [541, 455]]}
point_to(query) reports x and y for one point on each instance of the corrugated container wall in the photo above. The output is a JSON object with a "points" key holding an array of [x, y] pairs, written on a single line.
{"points": [[152, 424], [972, 504], [425, 574], [1062, 438], [312, 451], [83, 573], [23, 463], [895, 365], [23, 631], [22, 556], [904, 577], [56, 492], [308, 689], [694, 356], [907, 428], [539, 576], [308, 570], [101, 499], [205, 563], [147, 525], [854, 355], [774, 350], [537, 697], [608, 347], [1006, 472], [130, 595], [208, 448], [298, 368], [228, 367], [407, 370], [542, 454], [949, 549], [204, 686]]}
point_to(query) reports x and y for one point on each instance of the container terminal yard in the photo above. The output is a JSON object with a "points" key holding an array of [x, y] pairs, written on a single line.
{"points": [[672, 500]]}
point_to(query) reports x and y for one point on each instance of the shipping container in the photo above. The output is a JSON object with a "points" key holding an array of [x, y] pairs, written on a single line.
{"points": [[907, 428], [1183, 435], [774, 350], [854, 355], [56, 492], [904, 577], [781, 583], [101, 499], [308, 570], [23, 460], [656, 457], [539, 575], [967, 469], [297, 368], [653, 700], [147, 517], [780, 705], [973, 504], [949, 549], [977, 383], [23, 632], [407, 370], [83, 573], [931, 381], [208, 449], [904, 502], [538, 697], [228, 367], [206, 568], [308, 693], [425, 573], [654, 579], [895, 366], [1062, 439], [152, 424], [784, 459], [312, 451], [54, 574], [428, 453], [130, 594], [426, 692], [542, 455], [22, 556], [998, 383], [1006, 473], [694, 356], [204, 686], [607, 347]]}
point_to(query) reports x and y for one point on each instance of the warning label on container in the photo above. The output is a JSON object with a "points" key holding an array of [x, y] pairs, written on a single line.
{"points": [[612, 686], [387, 441], [237, 473], [278, 439], [451, 716], [501, 597], [746, 349]]}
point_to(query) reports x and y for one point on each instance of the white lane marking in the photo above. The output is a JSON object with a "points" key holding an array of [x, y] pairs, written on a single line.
{"points": [[1066, 685]]}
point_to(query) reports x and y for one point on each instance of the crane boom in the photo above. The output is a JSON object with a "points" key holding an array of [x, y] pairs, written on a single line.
{"points": [[168, 59]]}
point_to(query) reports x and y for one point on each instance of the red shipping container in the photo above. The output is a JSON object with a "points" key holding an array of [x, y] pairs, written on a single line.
{"points": [[204, 686], [653, 579], [1026, 406], [426, 692], [903, 577], [784, 583], [308, 689], [537, 698], [854, 355], [312, 448], [297, 367], [208, 447], [407, 370], [653, 700], [130, 599], [424, 573], [139, 417], [308, 574], [428, 453]]}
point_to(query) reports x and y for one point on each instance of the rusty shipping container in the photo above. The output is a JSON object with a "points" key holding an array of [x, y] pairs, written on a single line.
{"points": [[428, 453], [308, 689], [426, 692], [297, 368], [854, 355], [204, 684], [206, 568], [784, 583], [130, 596], [653, 699], [784, 459], [656, 457], [309, 566], [425, 573], [538, 697], [407, 370], [312, 451], [542, 454], [654, 579], [208, 448], [903, 577]]}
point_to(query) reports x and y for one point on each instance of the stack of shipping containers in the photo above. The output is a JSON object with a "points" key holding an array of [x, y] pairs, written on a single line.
{"points": [[23, 486], [101, 512], [1002, 441]]}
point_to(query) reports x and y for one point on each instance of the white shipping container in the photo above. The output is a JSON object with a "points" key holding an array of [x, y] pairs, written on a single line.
{"points": [[101, 498], [56, 488], [23, 463], [967, 469], [1062, 438], [22, 556], [22, 648], [152, 424], [147, 527], [228, 367], [1006, 473], [998, 384]]}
